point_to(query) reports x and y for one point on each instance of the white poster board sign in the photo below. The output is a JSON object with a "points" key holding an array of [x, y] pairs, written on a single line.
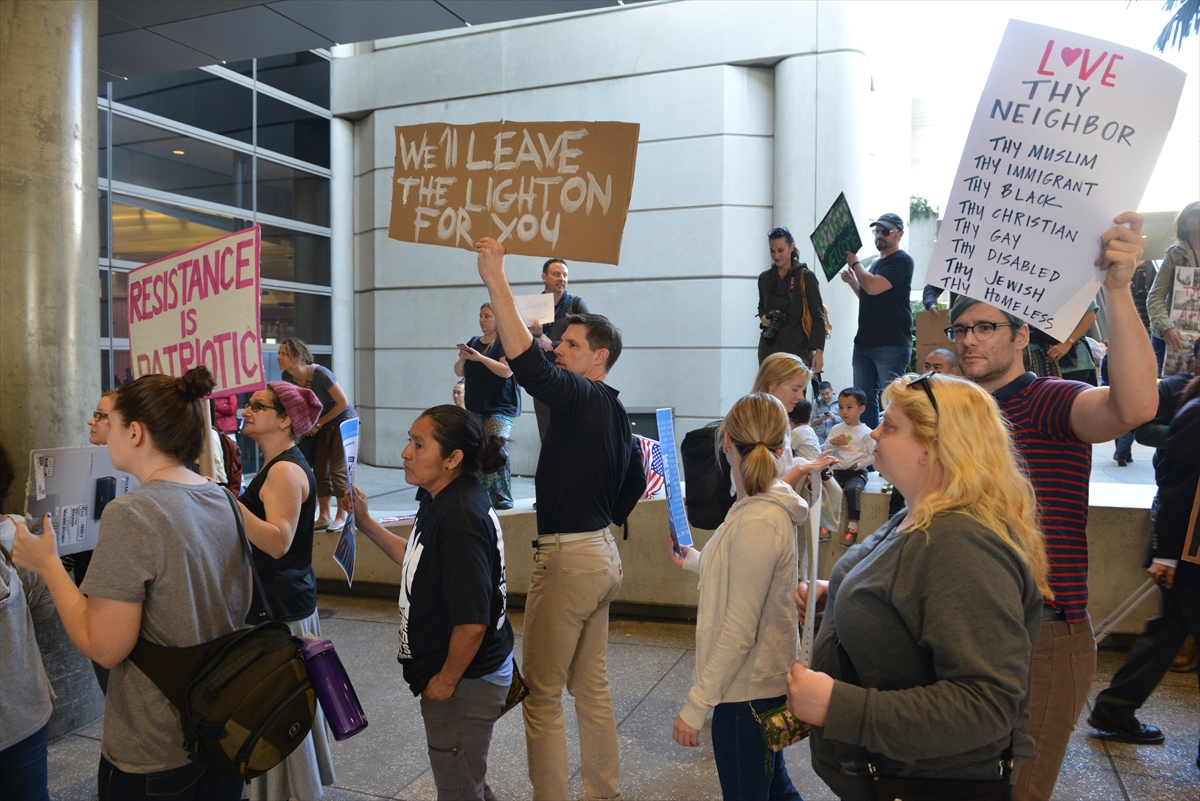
{"points": [[1065, 138], [73, 485], [200, 306], [535, 308]]}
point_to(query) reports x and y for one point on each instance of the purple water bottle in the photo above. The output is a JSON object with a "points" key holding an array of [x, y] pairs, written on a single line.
{"points": [[333, 687]]}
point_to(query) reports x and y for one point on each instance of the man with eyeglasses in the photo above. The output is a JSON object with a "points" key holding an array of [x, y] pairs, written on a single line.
{"points": [[883, 343], [1054, 423]]}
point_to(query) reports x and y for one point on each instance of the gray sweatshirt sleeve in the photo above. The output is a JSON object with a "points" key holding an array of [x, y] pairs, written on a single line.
{"points": [[1158, 300], [962, 597]]}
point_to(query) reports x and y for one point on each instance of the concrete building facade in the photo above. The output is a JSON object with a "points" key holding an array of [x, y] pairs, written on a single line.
{"points": [[753, 114]]}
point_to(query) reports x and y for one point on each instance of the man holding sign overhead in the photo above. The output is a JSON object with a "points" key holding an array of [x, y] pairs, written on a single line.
{"points": [[1053, 425], [589, 474], [883, 343]]}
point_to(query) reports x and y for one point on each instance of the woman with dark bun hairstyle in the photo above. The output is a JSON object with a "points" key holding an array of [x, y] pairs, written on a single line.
{"points": [[791, 314], [278, 508], [455, 639], [168, 566]]}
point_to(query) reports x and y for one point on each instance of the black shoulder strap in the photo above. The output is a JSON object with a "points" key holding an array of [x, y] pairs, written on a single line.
{"points": [[258, 587]]}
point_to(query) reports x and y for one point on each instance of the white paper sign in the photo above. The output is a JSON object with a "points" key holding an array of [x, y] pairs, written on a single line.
{"points": [[1065, 138], [539, 308]]}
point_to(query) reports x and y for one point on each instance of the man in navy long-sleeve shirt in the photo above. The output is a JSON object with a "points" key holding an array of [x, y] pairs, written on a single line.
{"points": [[589, 474]]}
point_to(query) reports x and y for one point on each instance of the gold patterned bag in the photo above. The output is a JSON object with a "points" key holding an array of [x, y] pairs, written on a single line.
{"points": [[779, 729]]}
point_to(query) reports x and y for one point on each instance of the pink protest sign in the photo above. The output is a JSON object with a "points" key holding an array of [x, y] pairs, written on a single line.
{"points": [[200, 306]]}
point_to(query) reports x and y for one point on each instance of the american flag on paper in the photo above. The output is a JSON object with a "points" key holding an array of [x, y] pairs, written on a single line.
{"points": [[652, 464]]}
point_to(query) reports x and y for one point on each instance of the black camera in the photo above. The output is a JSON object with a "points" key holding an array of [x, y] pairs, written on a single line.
{"points": [[776, 320]]}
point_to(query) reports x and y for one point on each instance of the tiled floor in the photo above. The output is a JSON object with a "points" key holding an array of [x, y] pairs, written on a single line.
{"points": [[650, 669]]}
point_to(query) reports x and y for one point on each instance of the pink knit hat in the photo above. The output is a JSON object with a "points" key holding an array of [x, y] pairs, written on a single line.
{"points": [[300, 404]]}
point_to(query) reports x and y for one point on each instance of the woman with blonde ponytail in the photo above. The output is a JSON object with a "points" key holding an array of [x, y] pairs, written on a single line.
{"points": [[746, 636], [921, 671]]}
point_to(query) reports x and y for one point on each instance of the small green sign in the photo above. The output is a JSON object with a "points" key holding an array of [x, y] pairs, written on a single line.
{"points": [[836, 236]]}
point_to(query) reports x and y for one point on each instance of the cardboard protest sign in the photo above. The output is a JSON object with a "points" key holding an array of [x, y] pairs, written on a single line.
{"points": [[836, 235], [200, 306], [73, 485], [1065, 138], [540, 188]]}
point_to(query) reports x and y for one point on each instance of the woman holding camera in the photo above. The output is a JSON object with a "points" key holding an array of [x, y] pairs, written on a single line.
{"points": [[790, 311], [921, 673]]}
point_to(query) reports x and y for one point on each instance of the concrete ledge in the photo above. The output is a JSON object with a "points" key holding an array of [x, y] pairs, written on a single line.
{"points": [[654, 587]]}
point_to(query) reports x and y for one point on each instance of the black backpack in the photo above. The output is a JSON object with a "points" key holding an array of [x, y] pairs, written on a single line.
{"points": [[245, 699], [708, 496]]}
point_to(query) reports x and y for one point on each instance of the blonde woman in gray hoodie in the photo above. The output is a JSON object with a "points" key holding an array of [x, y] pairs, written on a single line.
{"points": [[746, 635]]}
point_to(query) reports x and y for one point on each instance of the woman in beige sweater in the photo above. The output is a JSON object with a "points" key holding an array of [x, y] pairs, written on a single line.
{"points": [[746, 635]]}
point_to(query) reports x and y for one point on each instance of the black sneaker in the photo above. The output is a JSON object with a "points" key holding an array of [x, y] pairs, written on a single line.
{"points": [[1131, 732]]}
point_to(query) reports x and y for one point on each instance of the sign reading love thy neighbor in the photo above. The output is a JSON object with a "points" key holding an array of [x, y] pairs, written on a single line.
{"points": [[836, 236], [1065, 138], [540, 188], [200, 306]]}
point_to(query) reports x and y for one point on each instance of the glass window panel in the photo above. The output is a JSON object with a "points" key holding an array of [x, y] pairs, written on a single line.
{"points": [[294, 256], [102, 221], [297, 195], [193, 97], [145, 231], [241, 67], [305, 75], [158, 159], [122, 371], [295, 314], [102, 139], [120, 304], [292, 131], [104, 303]]}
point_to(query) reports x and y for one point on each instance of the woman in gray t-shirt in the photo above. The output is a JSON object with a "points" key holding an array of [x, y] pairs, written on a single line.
{"points": [[168, 566]]}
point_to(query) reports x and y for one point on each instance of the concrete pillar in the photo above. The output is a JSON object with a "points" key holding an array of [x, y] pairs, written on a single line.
{"points": [[49, 240], [820, 151], [341, 250]]}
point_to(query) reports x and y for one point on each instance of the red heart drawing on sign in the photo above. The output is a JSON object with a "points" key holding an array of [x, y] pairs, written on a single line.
{"points": [[1071, 54]]}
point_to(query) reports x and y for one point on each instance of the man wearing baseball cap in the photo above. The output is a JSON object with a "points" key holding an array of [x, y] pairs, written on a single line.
{"points": [[883, 344]]}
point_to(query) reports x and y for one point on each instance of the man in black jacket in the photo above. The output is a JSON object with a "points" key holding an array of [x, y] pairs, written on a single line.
{"points": [[589, 474]]}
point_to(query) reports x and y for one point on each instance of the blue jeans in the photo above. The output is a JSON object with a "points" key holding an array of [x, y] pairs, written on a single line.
{"points": [[1124, 447], [23, 766], [192, 782], [1160, 351], [874, 369], [740, 755]]}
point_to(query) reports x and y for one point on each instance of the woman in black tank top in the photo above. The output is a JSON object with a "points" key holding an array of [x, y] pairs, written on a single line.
{"points": [[279, 507]]}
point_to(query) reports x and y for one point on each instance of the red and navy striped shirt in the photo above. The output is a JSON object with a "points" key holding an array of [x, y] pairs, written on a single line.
{"points": [[1059, 466]]}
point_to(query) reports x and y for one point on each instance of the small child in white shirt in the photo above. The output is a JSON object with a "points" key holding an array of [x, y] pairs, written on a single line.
{"points": [[854, 447]]}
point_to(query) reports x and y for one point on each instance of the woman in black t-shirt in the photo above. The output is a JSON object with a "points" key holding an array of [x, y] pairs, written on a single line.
{"points": [[492, 395], [455, 638], [278, 507]]}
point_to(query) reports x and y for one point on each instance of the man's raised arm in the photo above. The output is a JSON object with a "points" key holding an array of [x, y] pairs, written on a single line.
{"points": [[1130, 399], [513, 334]]}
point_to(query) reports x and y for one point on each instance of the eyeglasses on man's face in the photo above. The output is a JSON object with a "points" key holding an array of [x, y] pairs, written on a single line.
{"points": [[982, 331], [256, 407]]}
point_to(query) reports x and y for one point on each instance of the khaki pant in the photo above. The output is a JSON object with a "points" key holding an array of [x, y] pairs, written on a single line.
{"points": [[329, 463], [1063, 665], [565, 644]]}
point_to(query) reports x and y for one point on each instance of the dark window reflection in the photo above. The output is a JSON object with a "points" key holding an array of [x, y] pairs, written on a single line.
{"points": [[148, 156], [120, 304], [294, 256], [297, 195], [102, 220], [102, 140], [144, 231], [104, 298], [305, 75], [193, 97], [122, 369], [292, 131], [294, 314]]}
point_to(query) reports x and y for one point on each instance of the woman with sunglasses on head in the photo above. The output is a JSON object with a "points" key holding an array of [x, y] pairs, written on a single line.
{"points": [[791, 315], [169, 566], [278, 507], [921, 671]]}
